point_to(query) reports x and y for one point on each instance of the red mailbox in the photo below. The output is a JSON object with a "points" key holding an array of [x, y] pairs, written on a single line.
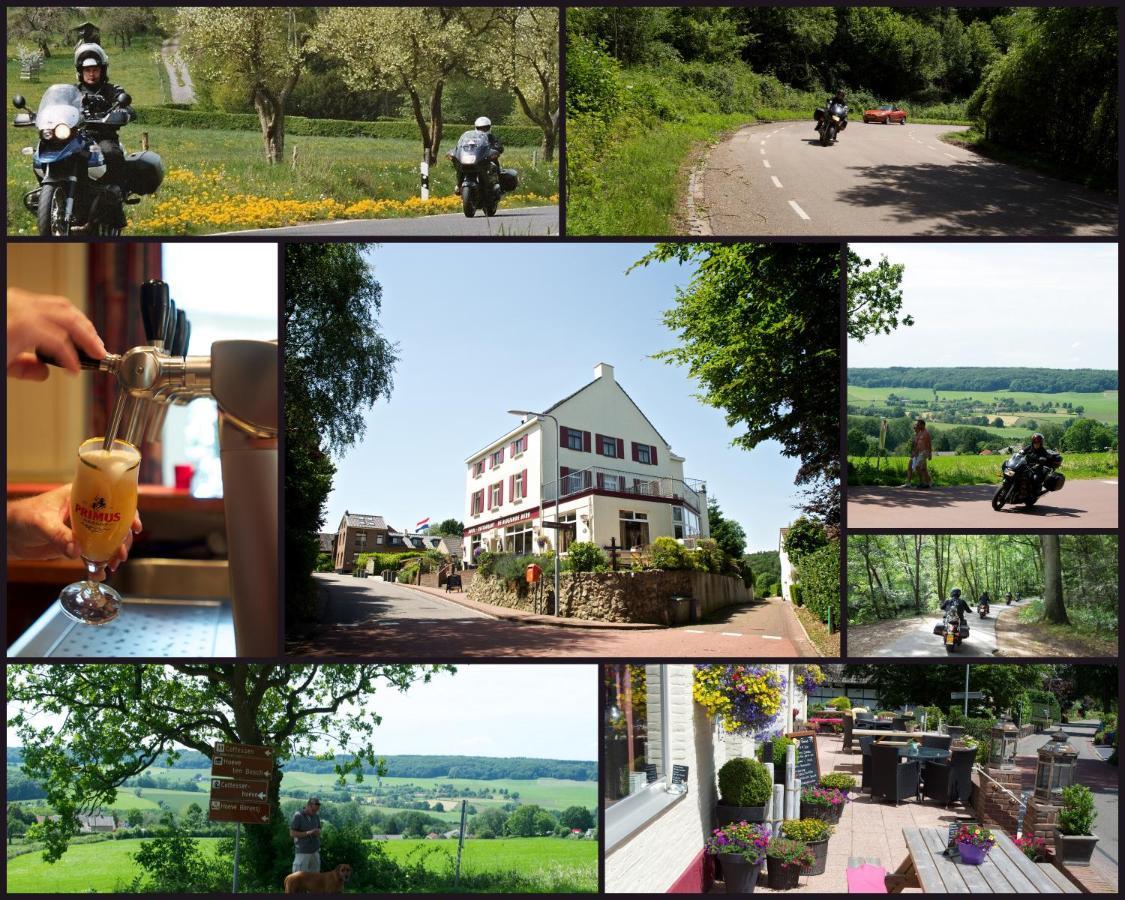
{"points": [[534, 573]]}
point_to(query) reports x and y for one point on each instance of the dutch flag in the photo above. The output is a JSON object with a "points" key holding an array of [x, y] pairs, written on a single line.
{"points": [[424, 525]]}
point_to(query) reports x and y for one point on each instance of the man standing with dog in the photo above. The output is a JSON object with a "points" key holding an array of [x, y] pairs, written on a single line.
{"points": [[304, 828]]}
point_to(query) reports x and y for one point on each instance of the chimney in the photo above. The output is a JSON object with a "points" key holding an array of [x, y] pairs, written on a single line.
{"points": [[603, 370]]}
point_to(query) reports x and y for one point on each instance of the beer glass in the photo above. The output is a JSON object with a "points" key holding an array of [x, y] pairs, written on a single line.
{"points": [[103, 502]]}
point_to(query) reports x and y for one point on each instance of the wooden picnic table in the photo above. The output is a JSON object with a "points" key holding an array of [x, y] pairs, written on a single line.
{"points": [[1006, 870], [905, 735]]}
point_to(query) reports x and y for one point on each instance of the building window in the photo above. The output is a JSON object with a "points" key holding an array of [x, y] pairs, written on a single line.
{"points": [[379, 538], [496, 458], [573, 482], [474, 547], [360, 540], [478, 503], [634, 529], [478, 468], [573, 439], [519, 486], [607, 445], [644, 454], [646, 488], [518, 539], [685, 523], [519, 446], [634, 700], [566, 535], [495, 495], [611, 482]]}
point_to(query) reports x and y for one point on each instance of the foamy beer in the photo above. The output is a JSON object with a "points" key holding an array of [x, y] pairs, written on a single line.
{"points": [[103, 502]]}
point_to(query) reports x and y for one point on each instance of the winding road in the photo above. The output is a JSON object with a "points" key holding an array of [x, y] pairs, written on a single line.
{"points": [[776, 179], [519, 222], [1085, 503], [915, 637]]}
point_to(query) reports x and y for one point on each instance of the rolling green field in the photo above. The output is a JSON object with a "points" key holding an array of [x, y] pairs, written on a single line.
{"points": [[126, 800], [84, 868], [1100, 406], [502, 853], [949, 470]]}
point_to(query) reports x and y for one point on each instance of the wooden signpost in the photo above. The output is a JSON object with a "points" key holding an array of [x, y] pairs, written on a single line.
{"points": [[240, 789]]}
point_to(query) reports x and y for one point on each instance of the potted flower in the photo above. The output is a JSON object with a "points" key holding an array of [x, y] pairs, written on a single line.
{"points": [[1074, 838], [779, 745], [740, 848], [841, 781], [814, 833], [785, 860], [747, 700], [822, 803], [973, 843], [1034, 848], [744, 791]]}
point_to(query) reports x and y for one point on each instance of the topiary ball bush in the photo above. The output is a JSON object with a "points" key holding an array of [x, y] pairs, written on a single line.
{"points": [[744, 782]]}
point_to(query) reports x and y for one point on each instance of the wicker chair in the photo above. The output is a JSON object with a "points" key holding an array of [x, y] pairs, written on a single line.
{"points": [[950, 781], [937, 741], [865, 744], [892, 777]]}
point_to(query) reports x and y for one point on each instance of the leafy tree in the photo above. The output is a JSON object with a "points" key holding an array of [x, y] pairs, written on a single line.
{"points": [[874, 298], [787, 41], [1087, 436], [120, 719], [725, 532], [522, 54], [448, 527], [1002, 685], [174, 863], [1054, 609], [529, 821], [260, 51], [39, 24], [135, 818], [124, 23], [489, 824], [805, 536], [193, 818], [577, 817]]}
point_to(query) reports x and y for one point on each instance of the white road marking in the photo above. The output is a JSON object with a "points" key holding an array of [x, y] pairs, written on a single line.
{"points": [[931, 147], [949, 155], [776, 183], [730, 633], [1109, 482], [766, 163], [694, 631], [770, 637], [804, 215], [763, 143]]}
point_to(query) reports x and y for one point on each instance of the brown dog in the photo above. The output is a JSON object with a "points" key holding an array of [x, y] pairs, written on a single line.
{"points": [[319, 882]]}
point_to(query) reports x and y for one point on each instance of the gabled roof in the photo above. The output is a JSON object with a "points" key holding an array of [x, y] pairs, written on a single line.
{"points": [[358, 520], [326, 542], [617, 384], [452, 544]]}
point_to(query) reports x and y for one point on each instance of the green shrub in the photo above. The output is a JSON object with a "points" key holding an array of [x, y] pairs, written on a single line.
{"points": [[709, 557], [840, 703], [789, 853], [384, 561], [806, 830], [795, 594], [775, 589], [842, 781], [933, 716], [780, 745], [820, 583], [668, 554], [324, 562], [486, 562], [584, 556], [1077, 814], [981, 731], [744, 782]]}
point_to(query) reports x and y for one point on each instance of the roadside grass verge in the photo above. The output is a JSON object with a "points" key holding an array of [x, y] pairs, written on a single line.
{"points": [[957, 470], [1087, 625], [974, 140], [219, 181], [827, 644]]}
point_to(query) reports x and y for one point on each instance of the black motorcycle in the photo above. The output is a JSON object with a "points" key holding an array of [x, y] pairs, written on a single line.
{"points": [[830, 122], [482, 180], [1026, 479], [73, 196], [951, 630], [983, 609]]}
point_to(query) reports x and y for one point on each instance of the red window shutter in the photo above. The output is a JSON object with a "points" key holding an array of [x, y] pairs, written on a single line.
{"points": [[601, 482], [501, 500], [635, 451], [620, 448], [523, 482], [652, 455], [564, 436], [501, 454], [586, 441], [512, 486], [598, 444], [563, 471]]}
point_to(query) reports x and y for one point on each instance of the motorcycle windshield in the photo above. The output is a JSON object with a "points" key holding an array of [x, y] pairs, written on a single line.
{"points": [[472, 143], [837, 109], [61, 104], [1014, 461]]}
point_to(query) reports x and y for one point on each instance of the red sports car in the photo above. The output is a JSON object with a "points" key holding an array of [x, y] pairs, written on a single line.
{"points": [[886, 114]]}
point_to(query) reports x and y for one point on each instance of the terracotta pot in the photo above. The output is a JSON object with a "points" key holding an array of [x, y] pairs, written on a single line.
{"points": [[781, 877], [739, 876]]}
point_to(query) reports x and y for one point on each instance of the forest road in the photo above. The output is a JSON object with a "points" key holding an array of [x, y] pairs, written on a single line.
{"points": [[523, 221], [884, 180], [1089, 503], [916, 636]]}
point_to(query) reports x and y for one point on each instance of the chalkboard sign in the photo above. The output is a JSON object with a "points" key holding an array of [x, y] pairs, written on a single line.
{"points": [[650, 773], [808, 763], [679, 774]]}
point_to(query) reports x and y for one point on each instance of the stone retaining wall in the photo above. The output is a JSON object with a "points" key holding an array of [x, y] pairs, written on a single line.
{"points": [[617, 596]]}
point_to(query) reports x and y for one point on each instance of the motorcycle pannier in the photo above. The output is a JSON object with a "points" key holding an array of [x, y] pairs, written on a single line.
{"points": [[509, 179], [819, 114], [144, 172], [939, 629], [1054, 481], [964, 631]]}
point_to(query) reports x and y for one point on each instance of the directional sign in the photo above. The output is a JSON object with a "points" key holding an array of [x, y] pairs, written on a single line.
{"points": [[971, 695], [246, 791], [240, 767], [244, 751], [234, 811], [561, 526]]}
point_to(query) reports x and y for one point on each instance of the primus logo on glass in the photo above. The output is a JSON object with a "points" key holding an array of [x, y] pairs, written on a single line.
{"points": [[93, 513]]}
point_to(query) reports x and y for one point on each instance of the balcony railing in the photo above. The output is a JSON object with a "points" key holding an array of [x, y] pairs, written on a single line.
{"points": [[596, 478]]}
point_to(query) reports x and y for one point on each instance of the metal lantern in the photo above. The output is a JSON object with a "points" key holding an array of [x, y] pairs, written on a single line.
{"points": [[1005, 737], [1055, 770]]}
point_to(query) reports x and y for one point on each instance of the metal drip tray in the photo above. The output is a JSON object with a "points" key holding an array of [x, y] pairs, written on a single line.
{"points": [[145, 628]]}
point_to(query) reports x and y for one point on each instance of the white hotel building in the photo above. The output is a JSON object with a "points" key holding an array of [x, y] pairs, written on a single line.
{"points": [[620, 480]]}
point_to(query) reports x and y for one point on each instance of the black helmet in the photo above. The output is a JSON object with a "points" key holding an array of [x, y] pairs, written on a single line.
{"points": [[1037, 437], [839, 95], [90, 54], [955, 593]]}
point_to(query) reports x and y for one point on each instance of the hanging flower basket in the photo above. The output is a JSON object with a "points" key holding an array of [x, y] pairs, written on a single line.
{"points": [[808, 678], [745, 699]]}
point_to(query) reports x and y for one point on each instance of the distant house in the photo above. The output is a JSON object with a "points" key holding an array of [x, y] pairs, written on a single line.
{"points": [[433, 836], [451, 546], [788, 571], [86, 33], [455, 833], [987, 452], [359, 533], [328, 543], [386, 837]]}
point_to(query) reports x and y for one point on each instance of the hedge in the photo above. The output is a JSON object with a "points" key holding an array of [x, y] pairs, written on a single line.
{"points": [[405, 129], [820, 582]]}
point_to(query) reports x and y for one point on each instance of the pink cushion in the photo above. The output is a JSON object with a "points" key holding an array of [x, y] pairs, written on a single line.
{"points": [[867, 879]]}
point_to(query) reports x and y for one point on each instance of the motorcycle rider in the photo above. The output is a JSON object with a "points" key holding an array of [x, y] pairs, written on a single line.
{"points": [[986, 600], [483, 124], [955, 602], [838, 97], [99, 95], [1037, 455], [1008, 599]]}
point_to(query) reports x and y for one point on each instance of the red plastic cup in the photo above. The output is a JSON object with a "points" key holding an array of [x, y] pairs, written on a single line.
{"points": [[183, 477]]}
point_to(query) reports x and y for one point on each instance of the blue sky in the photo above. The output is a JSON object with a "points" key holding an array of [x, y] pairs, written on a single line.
{"points": [[1048, 305], [484, 328]]}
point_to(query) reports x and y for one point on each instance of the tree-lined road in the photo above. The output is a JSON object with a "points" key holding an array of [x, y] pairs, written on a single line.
{"points": [[1086, 503], [518, 222], [370, 618], [915, 636], [884, 180]]}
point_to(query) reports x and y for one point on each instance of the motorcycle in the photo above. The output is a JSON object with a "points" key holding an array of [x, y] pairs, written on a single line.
{"points": [[1008, 601], [72, 196], [983, 609], [951, 631], [1019, 485], [483, 182], [831, 122]]}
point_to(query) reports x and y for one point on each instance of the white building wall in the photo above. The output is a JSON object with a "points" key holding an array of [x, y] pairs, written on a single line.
{"points": [[788, 573]]}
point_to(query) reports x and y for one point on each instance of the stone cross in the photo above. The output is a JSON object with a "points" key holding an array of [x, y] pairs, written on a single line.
{"points": [[613, 551]]}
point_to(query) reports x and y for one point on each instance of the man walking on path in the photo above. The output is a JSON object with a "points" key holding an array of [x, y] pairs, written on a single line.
{"points": [[305, 831], [920, 452]]}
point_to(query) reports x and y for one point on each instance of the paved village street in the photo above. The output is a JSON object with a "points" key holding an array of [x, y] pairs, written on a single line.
{"points": [[370, 617]]}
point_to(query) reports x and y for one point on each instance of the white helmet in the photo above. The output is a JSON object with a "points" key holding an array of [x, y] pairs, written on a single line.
{"points": [[89, 55], [482, 124]]}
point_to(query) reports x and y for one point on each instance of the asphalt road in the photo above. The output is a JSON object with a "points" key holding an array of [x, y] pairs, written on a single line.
{"points": [[1086, 503], [916, 637], [375, 619], [884, 180], [519, 222]]}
